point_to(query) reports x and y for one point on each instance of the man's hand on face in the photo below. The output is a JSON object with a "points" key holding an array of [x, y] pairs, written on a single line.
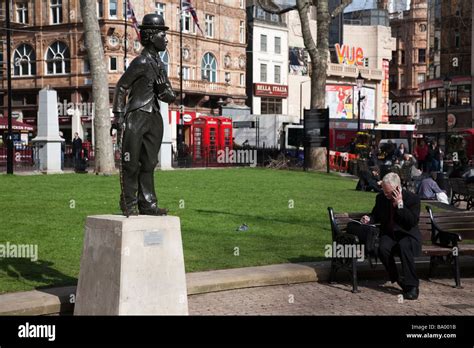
{"points": [[397, 197]]}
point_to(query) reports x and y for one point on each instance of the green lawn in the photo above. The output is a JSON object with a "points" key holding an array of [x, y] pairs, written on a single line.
{"points": [[40, 210]]}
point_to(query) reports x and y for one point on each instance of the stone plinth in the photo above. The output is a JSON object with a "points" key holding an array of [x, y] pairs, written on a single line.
{"points": [[132, 266], [48, 141]]}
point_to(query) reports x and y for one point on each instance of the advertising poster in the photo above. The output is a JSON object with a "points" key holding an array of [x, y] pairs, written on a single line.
{"points": [[298, 61], [367, 106], [339, 100]]}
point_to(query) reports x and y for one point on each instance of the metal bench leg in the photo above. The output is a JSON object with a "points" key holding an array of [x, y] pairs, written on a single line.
{"points": [[333, 271], [457, 272], [354, 276], [432, 267]]}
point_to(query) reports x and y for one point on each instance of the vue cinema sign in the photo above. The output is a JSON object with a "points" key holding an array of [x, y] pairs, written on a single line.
{"points": [[349, 55]]}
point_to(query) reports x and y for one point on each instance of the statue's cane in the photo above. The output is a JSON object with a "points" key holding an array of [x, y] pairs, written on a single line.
{"points": [[120, 130]]}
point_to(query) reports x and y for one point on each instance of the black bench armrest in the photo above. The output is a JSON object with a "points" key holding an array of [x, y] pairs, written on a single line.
{"points": [[439, 236], [339, 236]]}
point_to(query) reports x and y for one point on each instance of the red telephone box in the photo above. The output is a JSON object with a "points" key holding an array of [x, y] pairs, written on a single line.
{"points": [[225, 133], [210, 134]]}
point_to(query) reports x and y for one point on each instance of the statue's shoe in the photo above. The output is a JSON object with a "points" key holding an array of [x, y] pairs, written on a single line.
{"points": [[155, 211], [129, 211]]}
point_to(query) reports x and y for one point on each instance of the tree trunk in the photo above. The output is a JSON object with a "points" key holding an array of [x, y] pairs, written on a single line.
{"points": [[104, 158]]}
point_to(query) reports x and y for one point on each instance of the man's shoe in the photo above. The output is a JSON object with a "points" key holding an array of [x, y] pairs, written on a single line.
{"points": [[401, 284], [412, 293], [155, 212]]}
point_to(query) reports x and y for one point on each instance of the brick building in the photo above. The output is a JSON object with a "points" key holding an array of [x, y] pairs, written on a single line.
{"points": [[408, 66], [48, 48]]}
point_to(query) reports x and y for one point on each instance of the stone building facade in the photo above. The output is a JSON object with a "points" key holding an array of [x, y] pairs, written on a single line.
{"points": [[48, 50]]}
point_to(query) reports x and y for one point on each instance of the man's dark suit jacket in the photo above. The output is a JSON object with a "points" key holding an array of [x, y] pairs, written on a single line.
{"points": [[139, 80], [405, 219]]}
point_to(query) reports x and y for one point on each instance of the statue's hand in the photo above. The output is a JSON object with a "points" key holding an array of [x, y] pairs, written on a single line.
{"points": [[161, 84], [118, 123]]}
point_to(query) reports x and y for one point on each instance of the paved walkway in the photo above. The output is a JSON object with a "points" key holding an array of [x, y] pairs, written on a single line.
{"points": [[436, 298]]}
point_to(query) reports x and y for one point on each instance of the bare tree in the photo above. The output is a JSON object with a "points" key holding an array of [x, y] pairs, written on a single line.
{"points": [[318, 51], [104, 159]]}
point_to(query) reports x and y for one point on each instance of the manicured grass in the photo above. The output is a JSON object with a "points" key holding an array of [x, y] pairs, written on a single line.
{"points": [[50, 211]]}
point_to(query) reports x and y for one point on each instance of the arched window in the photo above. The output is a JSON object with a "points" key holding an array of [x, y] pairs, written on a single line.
{"points": [[165, 59], [209, 68], [24, 61], [58, 59]]}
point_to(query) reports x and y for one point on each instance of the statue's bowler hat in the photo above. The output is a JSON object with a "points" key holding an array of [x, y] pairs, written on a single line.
{"points": [[153, 21]]}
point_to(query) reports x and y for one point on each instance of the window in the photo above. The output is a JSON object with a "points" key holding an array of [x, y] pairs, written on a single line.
{"points": [[160, 9], [271, 106], [186, 21], [113, 9], [165, 59], [58, 59], [1, 66], [209, 25], [422, 55], [242, 79], [277, 77], [402, 81], [186, 72], [402, 57], [100, 8], [24, 61], [242, 32], [263, 72], [433, 98], [260, 13], [113, 64], [227, 77], [421, 77], [457, 39], [277, 45], [464, 95], [56, 11], [126, 12], [209, 68], [22, 12], [242, 3], [87, 66], [392, 80], [263, 43]]}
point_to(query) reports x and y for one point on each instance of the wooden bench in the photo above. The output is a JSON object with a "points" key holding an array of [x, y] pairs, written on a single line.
{"points": [[441, 234]]}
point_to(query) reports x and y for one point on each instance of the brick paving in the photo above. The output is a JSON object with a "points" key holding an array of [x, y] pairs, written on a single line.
{"points": [[376, 298]]}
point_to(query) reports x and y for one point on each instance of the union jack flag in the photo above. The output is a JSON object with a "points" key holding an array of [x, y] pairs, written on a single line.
{"points": [[131, 14], [186, 6]]}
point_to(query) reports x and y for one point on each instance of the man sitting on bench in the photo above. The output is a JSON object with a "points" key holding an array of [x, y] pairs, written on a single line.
{"points": [[398, 213]]}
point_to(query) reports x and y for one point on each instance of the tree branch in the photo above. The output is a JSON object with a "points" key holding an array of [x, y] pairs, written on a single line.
{"points": [[271, 7], [337, 11]]}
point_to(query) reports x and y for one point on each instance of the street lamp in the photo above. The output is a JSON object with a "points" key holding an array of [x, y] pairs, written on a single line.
{"points": [[360, 84], [447, 86]]}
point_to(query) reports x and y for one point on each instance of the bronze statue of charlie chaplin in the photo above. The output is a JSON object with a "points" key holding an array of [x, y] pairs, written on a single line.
{"points": [[139, 121]]}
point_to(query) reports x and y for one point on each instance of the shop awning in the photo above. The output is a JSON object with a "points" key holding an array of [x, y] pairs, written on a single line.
{"points": [[396, 127], [16, 125]]}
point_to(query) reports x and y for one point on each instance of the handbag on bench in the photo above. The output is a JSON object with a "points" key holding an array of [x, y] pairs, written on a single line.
{"points": [[369, 236]]}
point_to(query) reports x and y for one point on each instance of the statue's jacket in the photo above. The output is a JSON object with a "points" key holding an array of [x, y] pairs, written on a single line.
{"points": [[139, 80]]}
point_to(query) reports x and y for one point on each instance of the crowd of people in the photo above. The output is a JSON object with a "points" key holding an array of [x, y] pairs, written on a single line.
{"points": [[420, 169]]}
